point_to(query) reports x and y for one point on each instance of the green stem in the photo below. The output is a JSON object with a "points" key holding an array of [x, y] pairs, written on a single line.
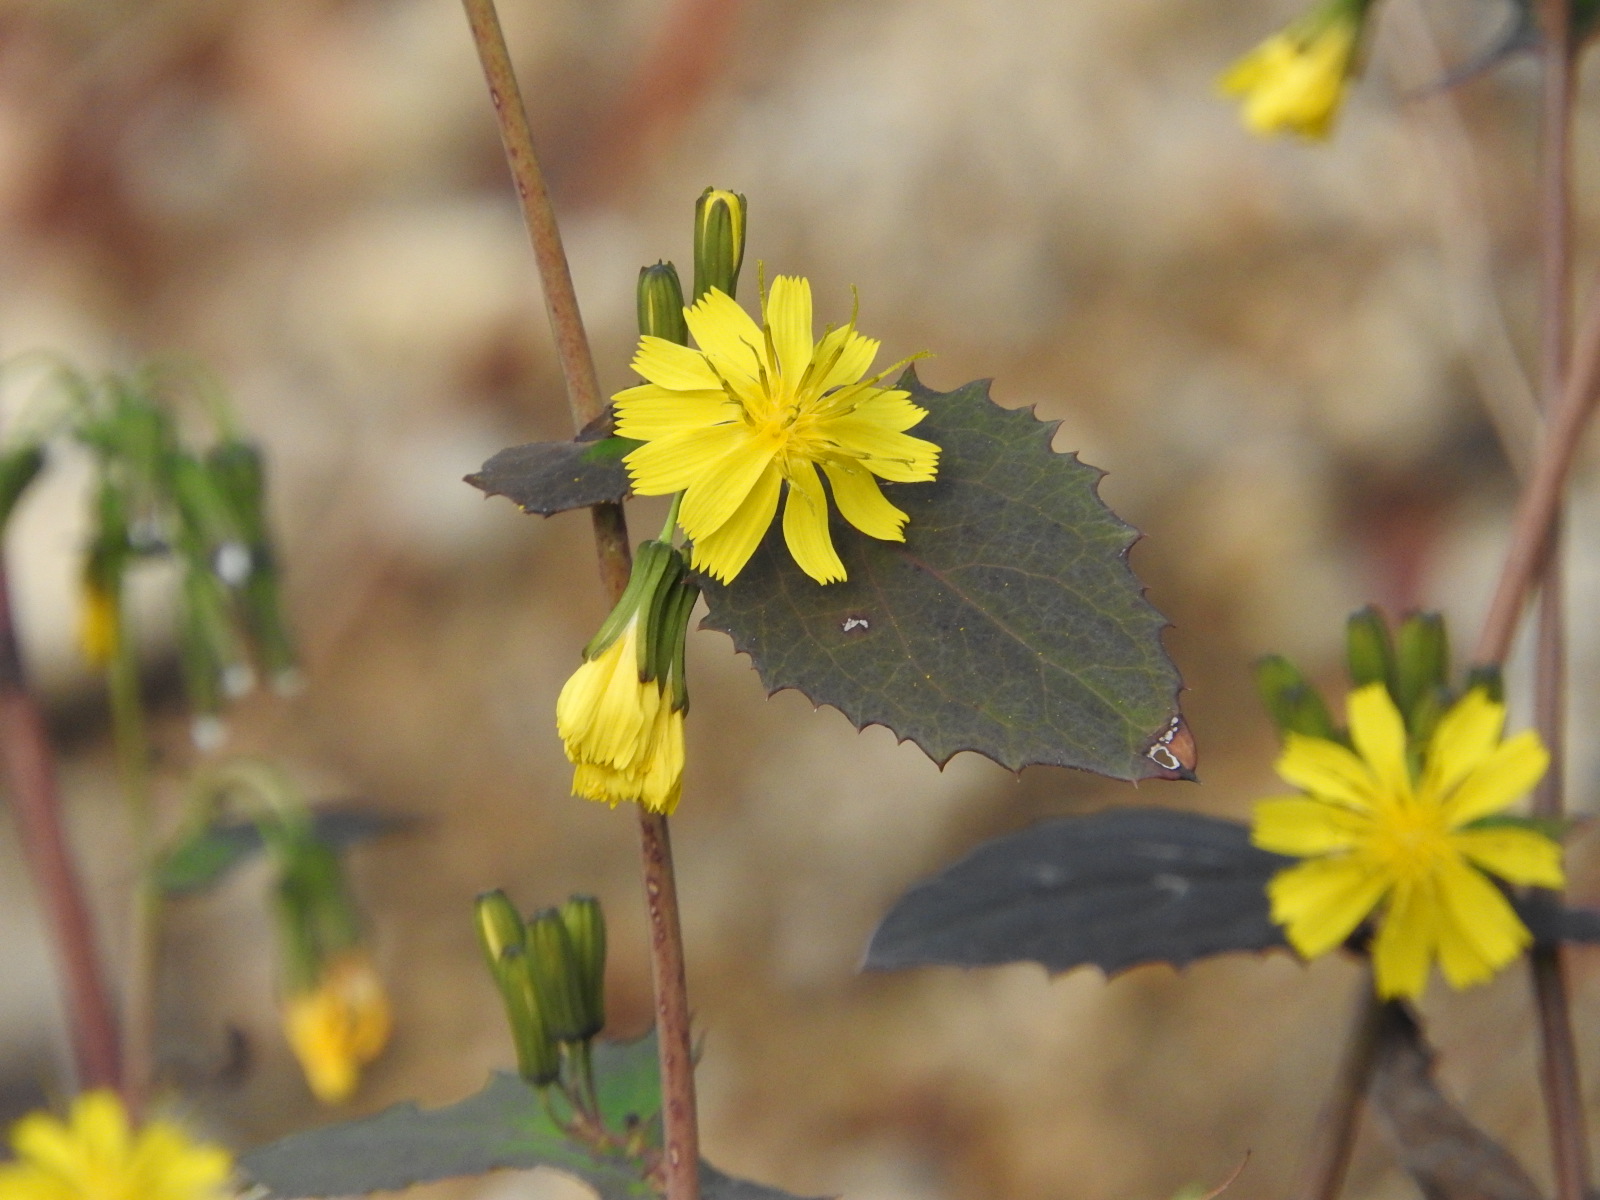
{"points": [[671, 526], [133, 762]]}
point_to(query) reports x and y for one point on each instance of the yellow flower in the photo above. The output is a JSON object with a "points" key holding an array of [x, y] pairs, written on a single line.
{"points": [[1294, 81], [760, 405], [94, 1155], [339, 1026], [623, 735], [1376, 836]]}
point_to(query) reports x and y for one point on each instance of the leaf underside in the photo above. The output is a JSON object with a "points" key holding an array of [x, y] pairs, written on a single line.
{"points": [[207, 856], [503, 1126], [1113, 890], [551, 477], [1008, 622]]}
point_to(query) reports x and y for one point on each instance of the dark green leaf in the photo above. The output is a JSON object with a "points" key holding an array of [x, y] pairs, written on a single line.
{"points": [[503, 1126], [1112, 890], [1008, 622], [551, 477]]}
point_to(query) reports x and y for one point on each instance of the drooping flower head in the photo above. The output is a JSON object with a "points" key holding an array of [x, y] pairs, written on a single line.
{"points": [[1294, 81], [758, 407], [1379, 837], [620, 715], [339, 1026], [95, 1155]]}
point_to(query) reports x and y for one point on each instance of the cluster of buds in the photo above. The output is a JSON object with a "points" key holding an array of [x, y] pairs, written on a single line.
{"points": [[550, 970], [1412, 663], [335, 1009]]}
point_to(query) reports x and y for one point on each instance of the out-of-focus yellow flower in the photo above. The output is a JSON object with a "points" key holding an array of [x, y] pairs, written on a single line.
{"points": [[95, 1155], [99, 624], [1294, 81], [339, 1026], [623, 735], [759, 406], [1376, 837]]}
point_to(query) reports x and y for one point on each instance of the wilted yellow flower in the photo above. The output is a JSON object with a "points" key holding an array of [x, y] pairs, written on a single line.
{"points": [[1294, 81], [95, 1155], [1376, 837], [758, 406], [339, 1026], [623, 735]]}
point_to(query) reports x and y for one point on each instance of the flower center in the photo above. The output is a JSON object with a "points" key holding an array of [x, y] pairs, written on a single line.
{"points": [[1410, 841]]}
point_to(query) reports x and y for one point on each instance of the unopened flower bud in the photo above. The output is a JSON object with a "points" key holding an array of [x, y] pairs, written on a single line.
{"points": [[718, 242], [499, 926], [586, 930], [1370, 652], [538, 1058], [661, 304], [1422, 662], [1294, 705], [556, 977]]}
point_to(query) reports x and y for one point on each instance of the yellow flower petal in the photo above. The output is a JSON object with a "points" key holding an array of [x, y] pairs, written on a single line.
{"points": [[1480, 932], [789, 315], [1522, 856], [805, 527], [647, 412], [844, 356], [725, 333], [1304, 827], [1291, 83], [1465, 737], [1379, 736], [713, 498], [673, 463], [674, 367], [1503, 777], [862, 503], [888, 453], [1405, 943], [1321, 902], [722, 554], [1326, 770]]}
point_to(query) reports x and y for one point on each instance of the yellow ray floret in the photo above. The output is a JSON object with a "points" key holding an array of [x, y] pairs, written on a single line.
{"points": [[96, 1155], [758, 407], [339, 1026], [1377, 838], [623, 735], [1294, 82]]}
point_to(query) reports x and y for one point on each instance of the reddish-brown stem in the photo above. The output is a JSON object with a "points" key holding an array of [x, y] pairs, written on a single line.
{"points": [[30, 775], [1341, 1114], [679, 1114]]}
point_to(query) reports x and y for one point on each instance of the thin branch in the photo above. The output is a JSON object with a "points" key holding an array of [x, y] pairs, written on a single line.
{"points": [[1341, 1113], [680, 1119], [30, 775]]}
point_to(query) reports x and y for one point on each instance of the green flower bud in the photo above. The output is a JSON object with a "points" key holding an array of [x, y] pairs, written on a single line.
{"points": [[718, 241], [586, 929], [661, 304], [557, 977], [1422, 662], [1370, 653], [1294, 705], [18, 468], [499, 926], [538, 1058]]}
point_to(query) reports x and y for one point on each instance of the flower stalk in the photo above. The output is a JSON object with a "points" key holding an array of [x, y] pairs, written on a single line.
{"points": [[679, 1116]]}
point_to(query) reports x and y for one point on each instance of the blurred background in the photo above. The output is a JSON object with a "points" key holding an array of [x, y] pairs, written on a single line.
{"points": [[1291, 361]]}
